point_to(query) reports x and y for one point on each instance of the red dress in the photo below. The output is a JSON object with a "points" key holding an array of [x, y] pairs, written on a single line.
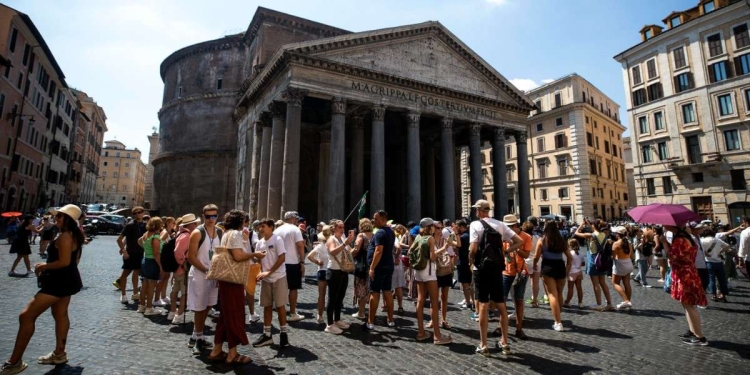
{"points": [[686, 284]]}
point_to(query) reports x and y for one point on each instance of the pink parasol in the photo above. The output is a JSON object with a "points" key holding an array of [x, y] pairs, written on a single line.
{"points": [[664, 214]]}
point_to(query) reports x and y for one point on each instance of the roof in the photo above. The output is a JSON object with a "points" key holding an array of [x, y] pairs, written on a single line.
{"points": [[42, 44], [650, 26]]}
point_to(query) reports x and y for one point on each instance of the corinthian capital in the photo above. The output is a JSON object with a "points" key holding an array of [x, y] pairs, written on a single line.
{"points": [[378, 113], [294, 96], [521, 137], [447, 123], [358, 121], [338, 106], [278, 109], [500, 134], [475, 129], [413, 119]]}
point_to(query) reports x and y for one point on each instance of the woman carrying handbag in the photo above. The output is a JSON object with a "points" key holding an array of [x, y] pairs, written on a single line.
{"points": [[230, 266]]}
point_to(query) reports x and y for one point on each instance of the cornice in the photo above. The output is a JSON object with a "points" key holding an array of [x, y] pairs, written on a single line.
{"points": [[199, 154], [288, 20], [207, 95], [227, 42]]}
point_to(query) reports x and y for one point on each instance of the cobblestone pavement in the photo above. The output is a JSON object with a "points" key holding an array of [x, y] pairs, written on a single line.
{"points": [[107, 337]]}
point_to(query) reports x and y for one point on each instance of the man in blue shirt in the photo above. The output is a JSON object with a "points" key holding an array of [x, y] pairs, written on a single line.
{"points": [[380, 257]]}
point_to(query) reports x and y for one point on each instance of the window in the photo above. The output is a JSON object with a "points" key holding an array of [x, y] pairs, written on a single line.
{"points": [[639, 97], [117, 164], [614, 150], [539, 127], [589, 136], [510, 174], [179, 92], [659, 121], [540, 144], [13, 37], [747, 100], [606, 146], [637, 75], [559, 121], [542, 166], [26, 50], [708, 7], [693, 149], [725, 105], [732, 139], [719, 72], [643, 125], [218, 84], [543, 194], [646, 154], [683, 82], [742, 64], [648, 34], [20, 80], [655, 92], [114, 174], [650, 187], [651, 68], [597, 142], [741, 37], [678, 54], [508, 152], [561, 141], [688, 113], [592, 166], [738, 179], [584, 100], [124, 187], [558, 100], [127, 164], [714, 45], [666, 182], [675, 21], [662, 148], [562, 193], [698, 177], [2, 103], [562, 167], [127, 174], [587, 119]]}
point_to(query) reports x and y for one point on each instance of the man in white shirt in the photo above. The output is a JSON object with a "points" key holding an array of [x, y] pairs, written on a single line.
{"points": [[744, 246], [294, 244], [488, 276], [273, 283]]}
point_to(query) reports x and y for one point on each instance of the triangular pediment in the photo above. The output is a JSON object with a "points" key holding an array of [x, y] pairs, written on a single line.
{"points": [[424, 52]]}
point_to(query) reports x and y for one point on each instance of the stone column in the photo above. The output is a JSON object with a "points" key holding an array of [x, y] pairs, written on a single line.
{"points": [[255, 169], [323, 159], [263, 174], [499, 174], [337, 161], [448, 176], [475, 164], [377, 159], [290, 179], [276, 168], [429, 176], [524, 193], [357, 183], [413, 174]]}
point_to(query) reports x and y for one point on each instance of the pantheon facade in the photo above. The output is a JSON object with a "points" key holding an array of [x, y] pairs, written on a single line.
{"points": [[298, 115]]}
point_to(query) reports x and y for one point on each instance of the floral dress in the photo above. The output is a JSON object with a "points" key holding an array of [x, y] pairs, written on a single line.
{"points": [[686, 284]]}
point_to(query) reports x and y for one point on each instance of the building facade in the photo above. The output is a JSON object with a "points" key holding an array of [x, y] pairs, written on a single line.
{"points": [[688, 99], [627, 151], [148, 195], [95, 125], [122, 176], [321, 115], [75, 167], [575, 156]]}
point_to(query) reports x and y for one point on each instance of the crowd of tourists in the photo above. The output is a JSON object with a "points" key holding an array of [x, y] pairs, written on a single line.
{"points": [[196, 260]]}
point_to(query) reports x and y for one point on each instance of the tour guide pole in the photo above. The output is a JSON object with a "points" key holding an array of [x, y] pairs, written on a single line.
{"points": [[360, 205]]}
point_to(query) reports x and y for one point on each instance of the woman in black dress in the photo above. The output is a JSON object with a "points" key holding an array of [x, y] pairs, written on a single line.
{"points": [[21, 247], [59, 279]]}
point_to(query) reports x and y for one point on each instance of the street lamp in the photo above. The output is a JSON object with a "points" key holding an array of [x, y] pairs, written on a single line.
{"points": [[10, 116]]}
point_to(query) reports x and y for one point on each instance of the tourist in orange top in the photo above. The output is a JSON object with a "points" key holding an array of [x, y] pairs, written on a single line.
{"points": [[516, 274]]}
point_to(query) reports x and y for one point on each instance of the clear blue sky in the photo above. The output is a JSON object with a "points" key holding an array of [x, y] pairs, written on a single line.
{"points": [[112, 50]]}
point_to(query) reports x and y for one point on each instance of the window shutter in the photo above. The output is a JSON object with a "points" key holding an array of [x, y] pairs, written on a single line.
{"points": [[730, 69], [711, 75], [738, 66], [691, 84], [676, 83], [660, 89]]}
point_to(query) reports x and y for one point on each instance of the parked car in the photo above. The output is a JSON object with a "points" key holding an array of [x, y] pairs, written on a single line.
{"points": [[103, 226], [95, 213], [119, 219], [97, 207]]}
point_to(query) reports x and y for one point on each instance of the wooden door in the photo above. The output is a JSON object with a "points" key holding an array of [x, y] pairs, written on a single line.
{"points": [[703, 207]]}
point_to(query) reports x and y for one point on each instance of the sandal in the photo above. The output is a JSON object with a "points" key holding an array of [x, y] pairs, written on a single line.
{"points": [[535, 305], [400, 311], [239, 360], [445, 325], [429, 325], [423, 337], [221, 357], [714, 298]]}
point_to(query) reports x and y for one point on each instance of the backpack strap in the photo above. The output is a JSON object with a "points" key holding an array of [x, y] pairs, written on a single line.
{"points": [[599, 245]]}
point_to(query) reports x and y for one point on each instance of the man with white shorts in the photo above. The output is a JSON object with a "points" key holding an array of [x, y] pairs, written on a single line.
{"points": [[274, 292]]}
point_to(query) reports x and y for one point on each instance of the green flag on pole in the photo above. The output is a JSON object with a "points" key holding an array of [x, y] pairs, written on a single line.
{"points": [[362, 203]]}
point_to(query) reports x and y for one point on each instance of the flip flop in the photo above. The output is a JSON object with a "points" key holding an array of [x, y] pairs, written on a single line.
{"points": [[239, 360], [221, 357], [445, 325], [429, 325], [423, 337]]}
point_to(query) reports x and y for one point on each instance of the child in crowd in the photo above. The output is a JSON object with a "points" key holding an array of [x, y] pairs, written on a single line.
{"points": [[575, 276]]}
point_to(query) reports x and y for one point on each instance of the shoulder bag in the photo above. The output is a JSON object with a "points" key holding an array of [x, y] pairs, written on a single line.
{"points": [[225, 268], [346, 263]]}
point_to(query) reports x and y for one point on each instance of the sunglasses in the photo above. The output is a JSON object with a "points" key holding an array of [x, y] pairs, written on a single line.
{"points": [[214, 217], [138, 213]]}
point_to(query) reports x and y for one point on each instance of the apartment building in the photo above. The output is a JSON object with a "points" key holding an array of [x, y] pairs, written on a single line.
{"points": [[94, 127], [122, 176], [688, 100]]}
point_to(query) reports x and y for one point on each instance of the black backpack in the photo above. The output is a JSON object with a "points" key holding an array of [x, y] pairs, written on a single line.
{"points": [[168, 261], [491, 247], [648, 249]]}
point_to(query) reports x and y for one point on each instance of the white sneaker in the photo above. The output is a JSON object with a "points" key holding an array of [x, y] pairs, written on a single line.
{"points": [[512, 315], [295, 318], [141, 309], [557, 327], [167, 301], [333, 329], [341, 324], [124, 299], [356, 315], [214, 313], [178, 318], [254, 318], [624, 305], [171, 315], [152, 311]]}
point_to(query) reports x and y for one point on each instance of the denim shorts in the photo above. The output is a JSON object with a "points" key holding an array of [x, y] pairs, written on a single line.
{"points": [[150, 269], [518, 290], [321, 275]]}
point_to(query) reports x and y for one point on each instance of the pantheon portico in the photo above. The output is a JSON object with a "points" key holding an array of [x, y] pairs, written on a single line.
{"points": [[327, 114]]}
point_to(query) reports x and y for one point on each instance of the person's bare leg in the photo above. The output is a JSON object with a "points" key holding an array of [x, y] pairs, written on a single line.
{"points": [[466, 288], [374, 301], [535, 288], [199, 320], [15, 263], [597, 289], [503, 322], [554, 302], [432, 289], [388, 300], [444, 303], [136, 274], [519, 313], [421, 296], [605, 289], [27, 323], [569, 294], [400, 297], [618, 288], [62, 324], [292, 302], [321, 298], [124, 281], [27, 263], [628, 289], [579, 289]]}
